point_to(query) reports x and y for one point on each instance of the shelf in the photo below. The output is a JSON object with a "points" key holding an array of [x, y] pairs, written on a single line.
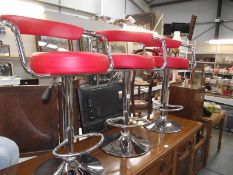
{"points": [[205, 62], [219, 84], [9, 58], [223, 74], [210, 95], [230, 64], [218, 74], [206, 53], [9, 80]]}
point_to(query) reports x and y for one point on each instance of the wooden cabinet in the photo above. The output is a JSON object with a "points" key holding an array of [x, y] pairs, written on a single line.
{"points": [[183, 159], [162, 167], [190, 97], [33, 125]]}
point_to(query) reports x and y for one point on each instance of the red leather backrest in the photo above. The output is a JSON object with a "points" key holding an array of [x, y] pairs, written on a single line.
{"points": [[136, 36], [170, 43], [32, 26]]}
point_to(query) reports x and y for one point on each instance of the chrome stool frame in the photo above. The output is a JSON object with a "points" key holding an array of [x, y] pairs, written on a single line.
{"points": [[162, 124], [75, 163], [125, 144]]}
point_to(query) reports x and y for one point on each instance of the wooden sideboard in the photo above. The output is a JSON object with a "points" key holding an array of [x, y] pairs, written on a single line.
{"points": [[170, 154]]}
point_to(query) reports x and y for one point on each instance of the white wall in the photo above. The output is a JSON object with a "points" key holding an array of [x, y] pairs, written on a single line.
{"points": [[116, 8], [227, 14], [113, 8], [205, 10]]}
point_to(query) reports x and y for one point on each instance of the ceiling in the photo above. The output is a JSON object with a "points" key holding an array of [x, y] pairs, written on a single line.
{"points": [[157, 3]]}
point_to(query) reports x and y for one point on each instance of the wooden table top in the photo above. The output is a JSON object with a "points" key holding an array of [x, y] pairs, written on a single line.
{"points": [[141, 83], [161, 144], [214, 117]]}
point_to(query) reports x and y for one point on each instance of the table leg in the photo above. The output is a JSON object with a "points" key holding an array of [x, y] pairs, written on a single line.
{"points": [[220, 133], [208, 137]]}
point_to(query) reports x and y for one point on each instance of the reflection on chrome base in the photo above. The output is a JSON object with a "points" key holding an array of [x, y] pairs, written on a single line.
{"points": [[85, 165], [164, 126], [125, 145]]}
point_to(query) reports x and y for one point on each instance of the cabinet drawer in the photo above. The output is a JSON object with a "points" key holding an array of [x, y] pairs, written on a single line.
{"points": [[163, 167]]}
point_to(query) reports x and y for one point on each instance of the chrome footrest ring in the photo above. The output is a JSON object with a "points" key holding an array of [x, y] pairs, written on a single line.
{"points": [[169, 108], [70, 155], [133, 122], [172, 108]]}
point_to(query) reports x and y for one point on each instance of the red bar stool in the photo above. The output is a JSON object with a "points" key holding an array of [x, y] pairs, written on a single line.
{"points": [[126, 144], [65, 65], [166, 63]]}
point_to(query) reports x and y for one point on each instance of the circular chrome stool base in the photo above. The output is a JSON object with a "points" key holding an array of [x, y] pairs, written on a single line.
{"points": [[86, 165], [164, 126], [125, 145]]}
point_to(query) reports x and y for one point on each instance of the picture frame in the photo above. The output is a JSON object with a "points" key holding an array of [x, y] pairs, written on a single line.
{"points": [[6, 68], [85, 43], [4, 50], [90, 44], [119, 47], [2, 29], [53, 44]]}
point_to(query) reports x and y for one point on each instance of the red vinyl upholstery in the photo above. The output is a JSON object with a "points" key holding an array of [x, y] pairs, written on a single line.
{"points": [[59, 63], [131, 61], [67, 63], [136, 36], [32, 26], [172, 62]]}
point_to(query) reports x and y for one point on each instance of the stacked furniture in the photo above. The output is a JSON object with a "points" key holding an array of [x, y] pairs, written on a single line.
{"points": [[158, 152]]}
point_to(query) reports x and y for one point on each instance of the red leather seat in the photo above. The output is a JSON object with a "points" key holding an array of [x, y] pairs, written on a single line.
{"points": [[68, 63], [172, 62], [131, 61]]}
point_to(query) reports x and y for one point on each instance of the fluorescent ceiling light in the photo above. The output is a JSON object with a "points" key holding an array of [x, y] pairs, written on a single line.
{"points": [[23, 8], [135, 28], [221, 41], [42, 43], [61, 49], [52, 46], [138, 29]]}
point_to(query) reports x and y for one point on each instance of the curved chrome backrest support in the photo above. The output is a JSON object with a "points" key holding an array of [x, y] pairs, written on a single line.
{"points": [[164, 47], [106, 47], [163, 41], [21, 49]]}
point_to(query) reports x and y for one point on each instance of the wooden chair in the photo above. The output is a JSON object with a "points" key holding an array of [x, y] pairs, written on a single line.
{"points": [[142, 101]]}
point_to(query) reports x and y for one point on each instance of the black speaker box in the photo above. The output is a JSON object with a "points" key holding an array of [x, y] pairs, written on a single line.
{"points": [[98, 103], [182, 27], [167, 29]]}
